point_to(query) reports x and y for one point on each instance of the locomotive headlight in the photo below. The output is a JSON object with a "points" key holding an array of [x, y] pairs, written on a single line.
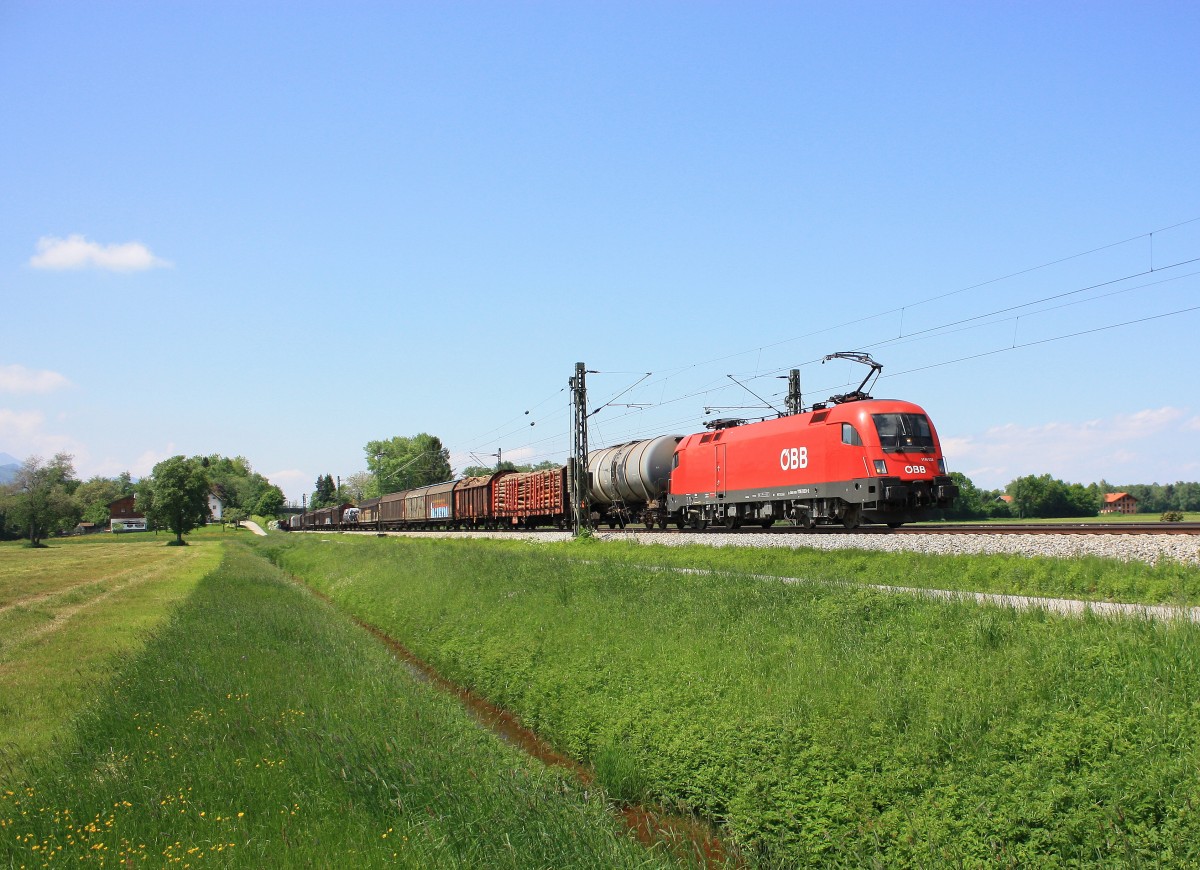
{"points": [[941, 466], [880, 466]]}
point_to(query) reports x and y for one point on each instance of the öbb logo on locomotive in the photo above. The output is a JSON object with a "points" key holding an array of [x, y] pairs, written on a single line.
{"points": [[793, 457], [848, 461]]}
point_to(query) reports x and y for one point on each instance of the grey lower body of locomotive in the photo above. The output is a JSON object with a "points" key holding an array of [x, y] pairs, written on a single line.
{"points": [[849, 503]]}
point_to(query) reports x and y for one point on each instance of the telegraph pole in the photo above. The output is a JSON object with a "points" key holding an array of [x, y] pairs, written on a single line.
{"points": [[793, 398], [579, 449]]}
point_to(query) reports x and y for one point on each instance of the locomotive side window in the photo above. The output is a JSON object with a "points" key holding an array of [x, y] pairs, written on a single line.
{"points": [[903, 431], [675, 461], [850, 435]]}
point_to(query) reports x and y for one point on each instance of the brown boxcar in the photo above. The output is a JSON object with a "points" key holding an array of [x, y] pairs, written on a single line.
{"points": [[368, 511], [430, 505], [391, 510], [532, 498], [474, 500]]}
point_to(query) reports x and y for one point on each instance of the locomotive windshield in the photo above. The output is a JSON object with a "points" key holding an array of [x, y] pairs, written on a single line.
{"points": [[903, 431]]}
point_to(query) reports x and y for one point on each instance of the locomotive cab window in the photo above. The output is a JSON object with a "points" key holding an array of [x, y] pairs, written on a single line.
{"points": [[902, 432], [850, 435]]}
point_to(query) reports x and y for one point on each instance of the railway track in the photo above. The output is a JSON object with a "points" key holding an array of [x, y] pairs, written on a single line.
{"points": [[1057, 529], [951, 529], [925, 529]]}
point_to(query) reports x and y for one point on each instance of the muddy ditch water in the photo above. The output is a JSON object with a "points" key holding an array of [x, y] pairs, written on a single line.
{"points": [[685, 837]]}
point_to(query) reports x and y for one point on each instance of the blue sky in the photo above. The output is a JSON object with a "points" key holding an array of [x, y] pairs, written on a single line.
{"points": [[282, 230]]}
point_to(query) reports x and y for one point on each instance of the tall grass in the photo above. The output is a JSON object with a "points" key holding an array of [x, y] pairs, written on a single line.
{"points": [[260, 728], [820, 724], [1089, 578]]}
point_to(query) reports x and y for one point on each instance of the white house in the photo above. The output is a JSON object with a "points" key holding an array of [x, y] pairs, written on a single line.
{"points": [[214, 505]]}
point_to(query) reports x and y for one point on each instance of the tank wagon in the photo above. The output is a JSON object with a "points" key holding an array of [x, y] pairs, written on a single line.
{"points": [[629, 481], [851, 461]]}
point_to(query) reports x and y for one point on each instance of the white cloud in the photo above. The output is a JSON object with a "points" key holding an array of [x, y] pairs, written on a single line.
{"points": [[19, 424], [1140, 447], [292, 481], [144, 464], [18, 379], [76, 252], [22, 434]]}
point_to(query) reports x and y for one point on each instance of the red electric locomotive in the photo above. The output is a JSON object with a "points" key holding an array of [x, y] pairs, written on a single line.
{"points": [[861, 460]]}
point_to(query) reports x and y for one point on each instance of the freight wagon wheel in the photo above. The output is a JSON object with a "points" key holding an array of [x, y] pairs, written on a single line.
{"points": [[662, 524], [766, 524]]}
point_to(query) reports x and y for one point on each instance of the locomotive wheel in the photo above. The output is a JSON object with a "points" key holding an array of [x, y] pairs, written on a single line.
{"points": [[680, 524], [804, 521], [766, 524], [850, 522], [732, 523], [894, 525]]}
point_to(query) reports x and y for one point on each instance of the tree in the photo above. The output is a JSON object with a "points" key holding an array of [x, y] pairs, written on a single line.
{"points": [[325, 494], [233, 515], [1044, 496], [969, 503], [361, 486], [39, 499], [175, 496], [270, 502], [401, 463], [485, 470], [237, 484]]}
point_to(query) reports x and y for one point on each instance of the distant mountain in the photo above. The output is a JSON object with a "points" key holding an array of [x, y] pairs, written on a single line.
{"points": [[9, 466]]}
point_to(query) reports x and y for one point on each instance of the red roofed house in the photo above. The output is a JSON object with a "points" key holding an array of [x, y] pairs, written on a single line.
{"points": [[1118, 503], [125, 517]]}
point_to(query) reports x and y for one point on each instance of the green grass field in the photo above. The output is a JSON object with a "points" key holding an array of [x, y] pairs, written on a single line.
{"points": [[67, 612], [224, 716], [820, 725]]}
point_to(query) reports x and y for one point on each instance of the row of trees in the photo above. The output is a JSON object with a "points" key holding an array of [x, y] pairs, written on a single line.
{"points": [[46, 498], [484, 470], [401, 463], [242, 490], [1046, 496], [392, 465]]}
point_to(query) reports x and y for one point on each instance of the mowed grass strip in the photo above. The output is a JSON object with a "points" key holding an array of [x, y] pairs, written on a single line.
{"points": [[57, 650], [821, 725], [260, 727], [28, 576]]}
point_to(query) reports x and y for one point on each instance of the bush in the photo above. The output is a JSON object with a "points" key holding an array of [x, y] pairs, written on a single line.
{"points": [[1171, 517]]}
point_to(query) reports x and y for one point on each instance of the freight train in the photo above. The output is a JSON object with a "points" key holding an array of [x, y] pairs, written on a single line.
{"points": [[852, 461]]}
